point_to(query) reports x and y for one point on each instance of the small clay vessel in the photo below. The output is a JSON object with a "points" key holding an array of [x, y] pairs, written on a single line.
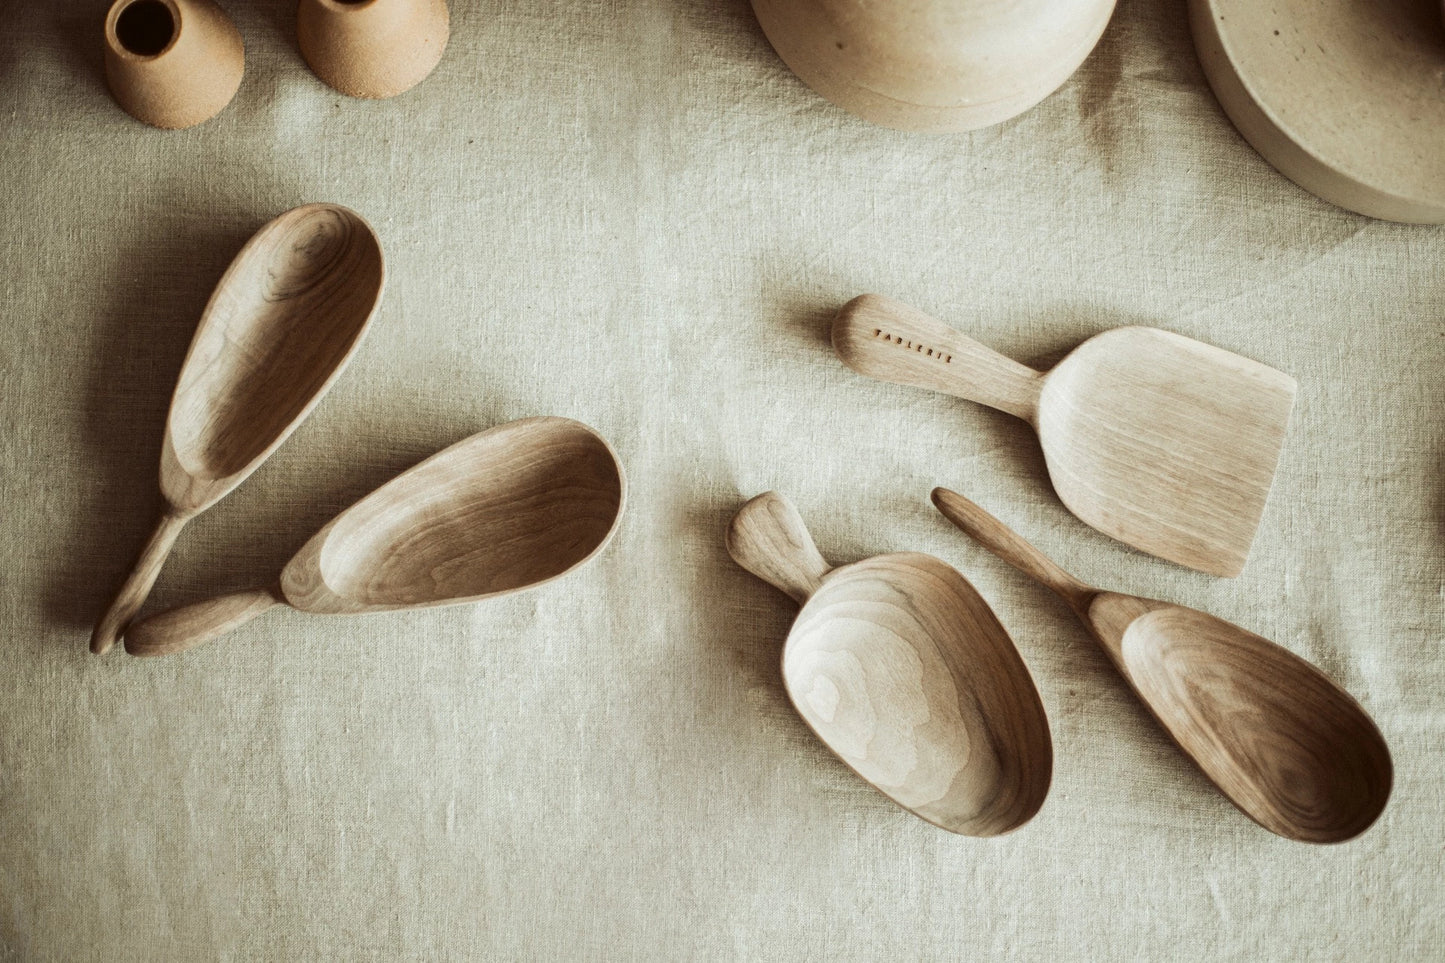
{"points": [[172, 63], [372, 48], [934, 65]]}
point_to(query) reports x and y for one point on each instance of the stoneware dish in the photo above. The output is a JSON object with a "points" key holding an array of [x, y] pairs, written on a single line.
{"points": [[372, 48], [1160, 441], [901, 668], [1294, 751], [1345, 97], [501, 511], [172, 63], [280, 328], [934, 65]]}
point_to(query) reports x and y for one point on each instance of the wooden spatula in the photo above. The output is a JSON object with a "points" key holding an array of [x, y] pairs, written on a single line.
{"points": [[1160, 441]]}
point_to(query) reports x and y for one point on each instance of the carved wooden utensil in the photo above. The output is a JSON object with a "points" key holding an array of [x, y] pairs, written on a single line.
{"points": [[1155, 439], [901, 668], [283, 322], [1294, 751], [501, 511]]}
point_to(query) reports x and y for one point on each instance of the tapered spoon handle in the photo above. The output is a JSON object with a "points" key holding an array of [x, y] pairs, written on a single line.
{"points": [[998, 538], [767, 537], [188, 626], [132, 594], [889, 340]]}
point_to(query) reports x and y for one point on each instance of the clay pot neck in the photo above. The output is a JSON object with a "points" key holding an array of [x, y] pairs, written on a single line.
{"points": [[147, 28]]}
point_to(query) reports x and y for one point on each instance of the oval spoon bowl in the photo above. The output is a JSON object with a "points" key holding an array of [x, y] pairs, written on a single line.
{"points": [[1303, 760], [279, 329], [513, 507]]}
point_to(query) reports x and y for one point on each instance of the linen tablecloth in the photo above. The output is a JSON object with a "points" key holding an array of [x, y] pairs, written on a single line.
{"points": [[631, 213]]}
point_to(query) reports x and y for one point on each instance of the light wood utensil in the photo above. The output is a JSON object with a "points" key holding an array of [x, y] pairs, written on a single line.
{"points": [[501, 511], [901, 668], [934, 65], [1343, 97], [1160, 441], [1294, 751], [283, 322]]}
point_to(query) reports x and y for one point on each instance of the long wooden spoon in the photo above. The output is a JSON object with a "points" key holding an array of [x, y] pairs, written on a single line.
{"points": [[501, 511], [1294, 751], [283, 322], [901, 668], [1160, 441]]}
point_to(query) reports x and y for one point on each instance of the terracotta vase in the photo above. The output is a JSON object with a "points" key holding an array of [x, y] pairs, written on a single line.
{"points": [[934, 65], [372, 48], [172, 63]]}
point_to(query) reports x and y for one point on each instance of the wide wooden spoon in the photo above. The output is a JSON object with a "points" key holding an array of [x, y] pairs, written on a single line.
{"points": [[283, 322], [501, 511], [901, 668], [1294, 751], [1158, 440]]}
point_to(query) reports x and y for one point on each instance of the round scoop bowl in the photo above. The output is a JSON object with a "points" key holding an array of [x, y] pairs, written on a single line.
{"points": [[502, 511], [903, 671], [901, 668], [1290, 748]]}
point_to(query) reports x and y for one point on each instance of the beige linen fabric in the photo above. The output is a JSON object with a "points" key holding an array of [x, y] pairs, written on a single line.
{"points": [[631, 213]]}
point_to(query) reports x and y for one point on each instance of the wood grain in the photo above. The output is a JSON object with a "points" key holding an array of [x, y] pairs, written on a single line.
{"points": [[1160, 441], [501, 511], [279, 329], [901, 668], [1290, 748], [934, 65]]}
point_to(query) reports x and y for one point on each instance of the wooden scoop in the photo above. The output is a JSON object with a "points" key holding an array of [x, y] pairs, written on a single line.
{"points": [[502, 511], [1160, 441], [283, 322], [1286, 745], [902, 670]]}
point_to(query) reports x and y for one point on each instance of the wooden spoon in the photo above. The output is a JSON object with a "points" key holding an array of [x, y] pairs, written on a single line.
{"points": [[902, 670], [1162, 442], [283, 322], [502, 511], [1294, 751]]}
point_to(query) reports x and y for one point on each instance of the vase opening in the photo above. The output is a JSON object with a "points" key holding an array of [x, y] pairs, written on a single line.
{"points": [[146, 27]]}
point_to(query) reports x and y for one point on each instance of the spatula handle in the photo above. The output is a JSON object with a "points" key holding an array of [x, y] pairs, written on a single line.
{"points": [[1004, 542], [767, 537], [188, 626], [889, 340], [138, 584]]}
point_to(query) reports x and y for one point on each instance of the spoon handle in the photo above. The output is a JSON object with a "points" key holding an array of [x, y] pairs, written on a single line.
{"points": [[888, 340], [768, 538], [188, 626], [1004, 542], [132, 594]]}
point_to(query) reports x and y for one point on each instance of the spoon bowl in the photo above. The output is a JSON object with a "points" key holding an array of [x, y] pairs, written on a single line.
{"points": [[1290, 748], [902, 670], [498, 512], [280, 328]]}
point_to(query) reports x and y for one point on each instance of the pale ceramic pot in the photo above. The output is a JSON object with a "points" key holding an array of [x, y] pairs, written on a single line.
{"points": [[372, 48], [934, 65], [172, 63]]}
